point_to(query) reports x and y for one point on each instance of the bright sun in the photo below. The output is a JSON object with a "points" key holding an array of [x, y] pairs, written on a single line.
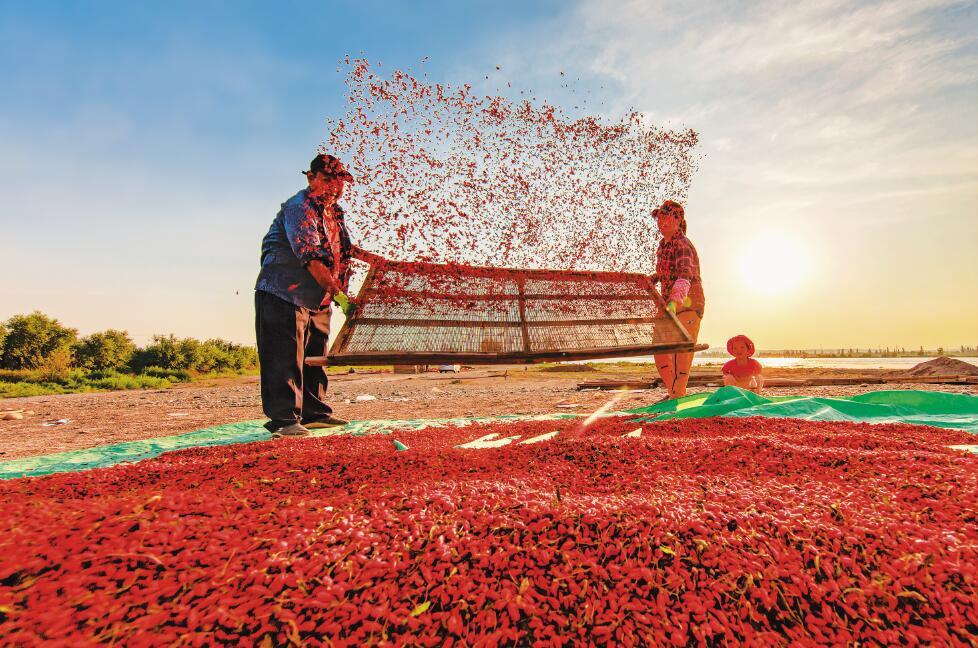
{"points": [[773, 264]]}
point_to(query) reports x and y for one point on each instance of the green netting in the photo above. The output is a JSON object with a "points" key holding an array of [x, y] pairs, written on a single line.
{"points": [[955, 411], [244, 432]]}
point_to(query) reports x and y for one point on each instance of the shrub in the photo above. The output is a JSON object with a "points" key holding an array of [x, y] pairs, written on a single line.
{"points": [[13, 375], [222, 355], [167, 352], [25, 389], [103, 351], [115, 380], [173, 375], [40, 356], [31, 339], [57, 367]]}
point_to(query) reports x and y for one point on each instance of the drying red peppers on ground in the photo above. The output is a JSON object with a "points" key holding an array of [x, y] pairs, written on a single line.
{"points": [[700, 532]]}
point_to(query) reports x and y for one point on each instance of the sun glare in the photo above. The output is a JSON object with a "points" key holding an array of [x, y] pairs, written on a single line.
{"points": [[773, 264]]}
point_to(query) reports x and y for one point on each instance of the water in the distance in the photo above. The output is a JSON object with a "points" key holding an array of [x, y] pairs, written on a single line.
{"points": [[821, 363]]}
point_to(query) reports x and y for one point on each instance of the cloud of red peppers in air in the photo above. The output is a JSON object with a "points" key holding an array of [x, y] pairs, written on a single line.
{"points": [[446, 175]]}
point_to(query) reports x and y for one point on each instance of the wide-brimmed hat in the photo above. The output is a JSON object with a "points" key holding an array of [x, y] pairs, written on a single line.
{"points": [[740, 338], [329, 165]]}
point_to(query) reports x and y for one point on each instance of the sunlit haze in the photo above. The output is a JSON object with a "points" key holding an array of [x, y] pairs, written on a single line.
{"points": [[772, 265], [147, 147]]}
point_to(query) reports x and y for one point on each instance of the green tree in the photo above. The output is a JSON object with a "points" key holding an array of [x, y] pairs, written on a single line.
{"points": [[31, 339], [940, 351], [57, 365], [188, 354], [109, 349], [221, 355], [167, 352]]}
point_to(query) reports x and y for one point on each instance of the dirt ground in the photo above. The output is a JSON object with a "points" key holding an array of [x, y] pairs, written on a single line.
{"points": [[96, 419]]}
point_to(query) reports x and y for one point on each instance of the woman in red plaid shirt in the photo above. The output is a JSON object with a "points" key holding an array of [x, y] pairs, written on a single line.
{"points": [[677, 271]]}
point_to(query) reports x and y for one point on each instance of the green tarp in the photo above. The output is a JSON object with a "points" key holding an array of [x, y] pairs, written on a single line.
{"points": [[244, 432], [956, 411]]}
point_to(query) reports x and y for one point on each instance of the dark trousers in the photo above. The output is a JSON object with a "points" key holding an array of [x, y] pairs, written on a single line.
{"points": [[291, 391]]}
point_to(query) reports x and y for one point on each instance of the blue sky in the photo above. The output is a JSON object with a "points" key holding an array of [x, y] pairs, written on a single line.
{"points": [[146, 147]]}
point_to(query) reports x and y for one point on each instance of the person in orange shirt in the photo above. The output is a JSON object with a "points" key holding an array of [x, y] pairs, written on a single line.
{"points": [[743, 371]]}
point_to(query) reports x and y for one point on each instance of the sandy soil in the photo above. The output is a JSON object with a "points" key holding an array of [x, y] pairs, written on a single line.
{"points": [[111, 417]]}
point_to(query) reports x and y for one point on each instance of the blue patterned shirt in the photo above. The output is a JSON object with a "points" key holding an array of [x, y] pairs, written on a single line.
{"points": [[297, 236]]}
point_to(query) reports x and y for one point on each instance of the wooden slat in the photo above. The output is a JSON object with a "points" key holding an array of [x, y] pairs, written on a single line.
{"points": [[412, 267], [701, 380], [501, 358], [526, 331], [523, 323], [424, 296], [619, 384]]}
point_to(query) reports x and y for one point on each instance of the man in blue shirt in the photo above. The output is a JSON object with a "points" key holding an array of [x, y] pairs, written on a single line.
{"points": [[304, 266]]}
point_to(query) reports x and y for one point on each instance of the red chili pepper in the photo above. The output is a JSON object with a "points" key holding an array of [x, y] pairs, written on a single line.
{"points": [[478, 537]]}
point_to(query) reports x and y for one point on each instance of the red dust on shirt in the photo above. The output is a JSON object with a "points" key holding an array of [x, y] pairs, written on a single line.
{"points": [[750, 368]]}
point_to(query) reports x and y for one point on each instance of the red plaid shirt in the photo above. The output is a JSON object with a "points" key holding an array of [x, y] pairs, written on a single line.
{"points": [[676, 258]]}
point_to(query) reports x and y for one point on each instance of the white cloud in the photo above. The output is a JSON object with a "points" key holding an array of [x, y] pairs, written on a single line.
{"points": [[823, 116], [807, 92]]}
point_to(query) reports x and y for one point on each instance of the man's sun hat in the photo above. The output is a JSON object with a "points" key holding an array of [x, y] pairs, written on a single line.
{"points": [[328, 165], [740, 338]]}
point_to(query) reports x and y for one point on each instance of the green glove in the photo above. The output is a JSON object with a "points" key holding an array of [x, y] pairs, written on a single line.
{"points": [[343, 301], [672, 306]]}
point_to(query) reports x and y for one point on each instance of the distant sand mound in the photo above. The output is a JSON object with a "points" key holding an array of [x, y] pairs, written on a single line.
{"points": [[944, 366]]}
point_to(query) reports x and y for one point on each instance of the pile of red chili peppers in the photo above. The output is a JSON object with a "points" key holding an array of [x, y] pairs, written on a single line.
{"points": [[764, 531]]}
